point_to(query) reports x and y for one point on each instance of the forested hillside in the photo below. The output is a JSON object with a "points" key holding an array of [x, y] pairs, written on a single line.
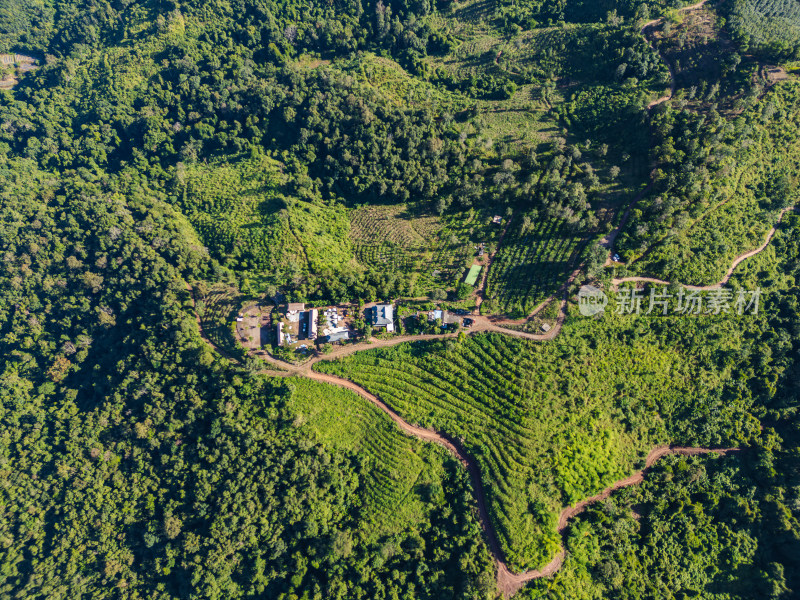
{"points": [[155, 157], [771, 27]]}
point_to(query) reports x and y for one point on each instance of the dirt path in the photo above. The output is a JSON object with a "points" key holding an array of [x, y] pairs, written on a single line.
{"points": [[481, 324], [608, 241], [672, 84], [509, 583], [737, 261]]}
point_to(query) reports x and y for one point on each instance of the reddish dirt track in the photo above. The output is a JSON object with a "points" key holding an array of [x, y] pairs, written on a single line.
{"points": [[737, 261], [508, 583]]}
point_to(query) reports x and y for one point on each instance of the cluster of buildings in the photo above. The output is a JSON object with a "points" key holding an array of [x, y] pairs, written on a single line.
{"points": [[301, 324], [306, 327], [336, 328]]}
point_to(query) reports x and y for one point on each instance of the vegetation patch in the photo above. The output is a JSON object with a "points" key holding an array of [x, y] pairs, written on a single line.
{"points": [[769, 27], [551, 424], [531, 264], [722, 210]]}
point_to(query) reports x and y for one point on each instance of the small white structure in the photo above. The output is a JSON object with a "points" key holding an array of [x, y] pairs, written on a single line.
{"points": [[296, 307], [312, 324], [497, 220], [280, 334]]}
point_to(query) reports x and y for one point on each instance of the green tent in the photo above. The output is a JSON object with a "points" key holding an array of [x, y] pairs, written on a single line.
{"points": [[472, 276]]}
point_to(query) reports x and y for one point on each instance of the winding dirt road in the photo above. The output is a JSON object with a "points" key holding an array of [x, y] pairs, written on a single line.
{"points": [[672, 84], [738, 260], [508, 583]]}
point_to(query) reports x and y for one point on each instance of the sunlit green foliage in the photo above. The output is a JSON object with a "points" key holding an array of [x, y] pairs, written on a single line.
{"points": [[770, 27], [702, 214], [553, 423], [532, 264]]}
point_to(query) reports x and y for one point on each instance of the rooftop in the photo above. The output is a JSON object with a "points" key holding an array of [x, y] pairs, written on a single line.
{"points": [[383, 315], [338, 336], [472, 276]]}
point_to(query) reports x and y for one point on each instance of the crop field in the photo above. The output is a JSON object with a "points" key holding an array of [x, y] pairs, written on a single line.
{"points": [[387, 256], [397, 237], [249, 226], [553, 423], [532, 265], [217, 309], [396, 85], [392, 462], [322, 231], [396, 224], [538, 52]]}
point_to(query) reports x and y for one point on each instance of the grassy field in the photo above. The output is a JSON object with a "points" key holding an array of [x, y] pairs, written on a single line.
{"points": [[552, 424], [239, 212], [248, 225], [399, 87]]}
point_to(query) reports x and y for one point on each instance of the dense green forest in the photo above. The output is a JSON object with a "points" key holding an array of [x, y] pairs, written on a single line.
{"points": [[139, 464], [361, 150]]}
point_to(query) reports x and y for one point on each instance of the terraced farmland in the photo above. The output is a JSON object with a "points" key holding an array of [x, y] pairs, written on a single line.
{"points": [[217, 310], [402, 238], [392, 462], [551, 424], [531, 265], [533, 457]]}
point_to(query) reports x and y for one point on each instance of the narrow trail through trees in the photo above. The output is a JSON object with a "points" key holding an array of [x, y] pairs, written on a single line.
{"points": [[738, 260], [608, 241]]}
